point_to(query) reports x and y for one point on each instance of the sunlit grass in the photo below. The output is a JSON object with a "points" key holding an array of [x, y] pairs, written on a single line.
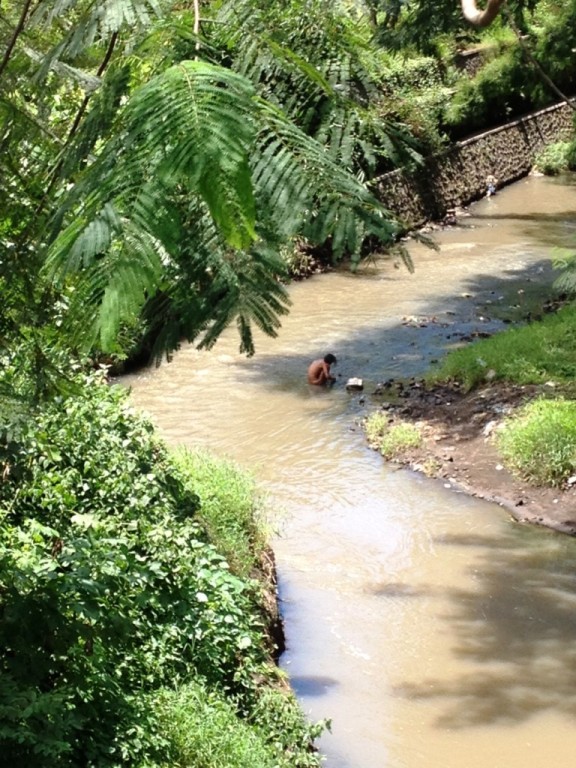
{"points": [[539, 441], [202, 730], [531, 354], [231, 506], [391, 440]]}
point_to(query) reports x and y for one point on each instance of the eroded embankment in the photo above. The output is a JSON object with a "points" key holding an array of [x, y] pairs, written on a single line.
{"points": [[458, 446]]}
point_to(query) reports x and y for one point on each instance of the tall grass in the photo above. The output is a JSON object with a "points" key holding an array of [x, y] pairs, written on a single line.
{"points": [[393, 441], [202, 730], [539, 441]]}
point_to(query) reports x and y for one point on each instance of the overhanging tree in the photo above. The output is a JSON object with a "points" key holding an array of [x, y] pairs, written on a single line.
{"points": [[146, 187]]}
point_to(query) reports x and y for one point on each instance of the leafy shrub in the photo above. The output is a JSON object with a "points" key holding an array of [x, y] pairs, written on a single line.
{"points": [[109, 589], [279, 718], [499, 91], [553, 159], [415, 92], [571, 155], [539, 441]]}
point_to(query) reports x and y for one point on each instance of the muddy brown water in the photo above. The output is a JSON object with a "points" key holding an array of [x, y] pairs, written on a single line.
{"points": [[430, 629]]}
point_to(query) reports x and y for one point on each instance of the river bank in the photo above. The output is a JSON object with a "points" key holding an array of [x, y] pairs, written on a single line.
{"points": [[458, 447]]}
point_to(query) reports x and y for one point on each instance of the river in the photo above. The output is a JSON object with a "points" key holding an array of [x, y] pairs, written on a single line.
{"points": [[432, 630]]}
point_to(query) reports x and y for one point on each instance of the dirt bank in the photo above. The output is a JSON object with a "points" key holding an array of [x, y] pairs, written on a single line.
{"points": [[458, 446]]}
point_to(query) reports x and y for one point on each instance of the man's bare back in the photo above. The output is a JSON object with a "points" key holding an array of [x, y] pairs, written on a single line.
{"points": [[319, 370]]}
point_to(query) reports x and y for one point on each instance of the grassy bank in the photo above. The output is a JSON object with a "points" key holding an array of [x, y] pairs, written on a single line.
{"points": [[537, 441]]}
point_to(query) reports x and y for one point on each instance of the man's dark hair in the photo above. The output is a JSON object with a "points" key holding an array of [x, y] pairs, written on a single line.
{"points": [[330, 359]]}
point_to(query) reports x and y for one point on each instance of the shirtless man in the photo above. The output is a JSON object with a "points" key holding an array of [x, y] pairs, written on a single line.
{"points": [[319, 370]]}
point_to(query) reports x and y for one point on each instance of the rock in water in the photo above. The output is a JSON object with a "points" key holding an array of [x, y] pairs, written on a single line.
{"points": [[354, 384]]}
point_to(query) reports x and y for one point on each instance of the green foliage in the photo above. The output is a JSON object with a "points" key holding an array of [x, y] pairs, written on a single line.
{"points": [[109, 589], [571, 155], [202, 730], [539, 441], [535, 353], [127, 236], [409, 24], [279, 719], [499, 90], [376, 425], [516, 77], [317, 62], [565, 263], [399, 439], [415, 91], [553, 159], [159, 173], [391, 440], [230, 506], [554, 48]]}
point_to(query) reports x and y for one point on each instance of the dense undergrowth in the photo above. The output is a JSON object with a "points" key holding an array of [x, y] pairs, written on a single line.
{"points": [[133, 626]]}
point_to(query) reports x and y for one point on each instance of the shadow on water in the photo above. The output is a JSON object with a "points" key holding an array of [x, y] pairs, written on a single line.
{"points": [[407, 348], [560, 217], [517, 639], [397, 590], [312, 685]]}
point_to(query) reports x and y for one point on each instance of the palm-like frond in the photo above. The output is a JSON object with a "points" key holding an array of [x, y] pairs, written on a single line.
{"points": [[188, 132], [198, 133], [93, 22], [191, 127], [185, 187], [315, 69], [208, 286], [312, 193]]}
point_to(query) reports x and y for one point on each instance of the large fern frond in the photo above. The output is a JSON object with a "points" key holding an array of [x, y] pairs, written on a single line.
{"points": [[187, 133], [313, 194], [93, 22], [190, 128], [208, 286]]}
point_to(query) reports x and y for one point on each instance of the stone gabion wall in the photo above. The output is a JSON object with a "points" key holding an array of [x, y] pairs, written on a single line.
{"points": [[457, 177]]}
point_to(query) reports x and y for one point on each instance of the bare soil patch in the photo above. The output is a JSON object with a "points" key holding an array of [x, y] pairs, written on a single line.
{"points": [[458, 445]]}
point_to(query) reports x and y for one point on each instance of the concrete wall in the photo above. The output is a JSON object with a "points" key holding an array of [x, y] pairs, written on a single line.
{"points": [[457, 177]]}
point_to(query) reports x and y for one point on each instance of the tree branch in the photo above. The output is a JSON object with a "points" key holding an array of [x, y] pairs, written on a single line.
{"points": [[16, 34], [52, 176], [197, 25], [536, 64], [481, 18]]}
